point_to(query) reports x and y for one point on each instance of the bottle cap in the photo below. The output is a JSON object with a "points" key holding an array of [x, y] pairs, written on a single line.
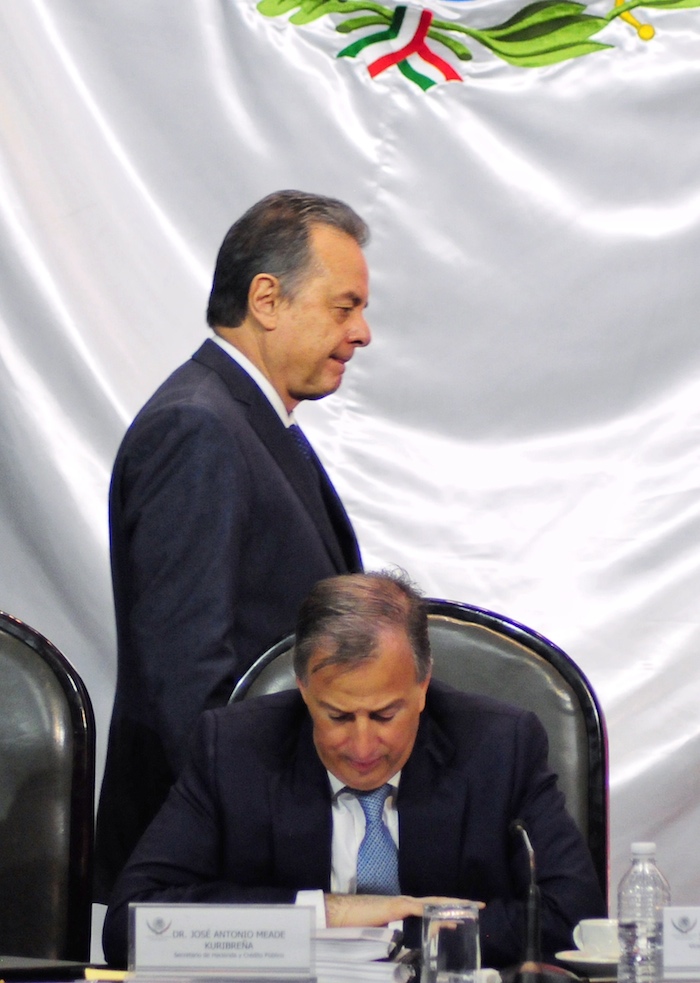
{"points": [[643, 849]]}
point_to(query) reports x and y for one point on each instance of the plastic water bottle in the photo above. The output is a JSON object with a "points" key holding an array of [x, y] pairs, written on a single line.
{"points": [[641, 896]]}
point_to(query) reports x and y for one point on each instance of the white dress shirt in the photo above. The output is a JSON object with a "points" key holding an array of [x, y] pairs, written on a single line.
{"points": [[349, 824], [257, 376]]}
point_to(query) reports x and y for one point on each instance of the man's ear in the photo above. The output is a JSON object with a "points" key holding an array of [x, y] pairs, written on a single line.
{"points": [[302, 690], [264, 298], [424, 686]]}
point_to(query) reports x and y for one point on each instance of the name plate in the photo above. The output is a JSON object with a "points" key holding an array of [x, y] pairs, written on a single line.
{"points": [[233, 940], [681, 943]]}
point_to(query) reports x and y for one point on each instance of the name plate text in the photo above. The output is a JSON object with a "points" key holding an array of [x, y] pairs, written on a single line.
{"points": [[234, 940]]}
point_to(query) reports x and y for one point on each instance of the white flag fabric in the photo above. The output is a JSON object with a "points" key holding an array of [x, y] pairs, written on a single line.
{"points": [[523, 432]]}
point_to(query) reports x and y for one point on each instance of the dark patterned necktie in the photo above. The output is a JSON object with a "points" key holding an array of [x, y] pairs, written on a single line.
{"points": [[377, 859], [301, 442]]}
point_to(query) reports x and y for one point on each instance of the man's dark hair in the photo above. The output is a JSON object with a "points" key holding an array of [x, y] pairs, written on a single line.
{"points": [[273, 237], [345, 616]]}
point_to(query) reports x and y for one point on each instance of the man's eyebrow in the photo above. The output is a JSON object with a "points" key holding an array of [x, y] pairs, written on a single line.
{"points": [[394, 705], [333, 709], [355, 299]]}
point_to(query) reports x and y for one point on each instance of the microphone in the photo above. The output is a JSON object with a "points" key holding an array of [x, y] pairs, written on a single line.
{"points": [[533, 936], [532, 969]]}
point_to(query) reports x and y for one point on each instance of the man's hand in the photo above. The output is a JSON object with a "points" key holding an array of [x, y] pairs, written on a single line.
{"points": [[378, 909]]}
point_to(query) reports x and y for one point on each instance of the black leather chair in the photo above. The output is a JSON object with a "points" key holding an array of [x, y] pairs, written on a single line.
{"points": [[481, 652], [47, 782]]}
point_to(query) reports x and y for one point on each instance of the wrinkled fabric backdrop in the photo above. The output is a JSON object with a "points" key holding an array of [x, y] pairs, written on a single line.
{"points": [[522, 434]]}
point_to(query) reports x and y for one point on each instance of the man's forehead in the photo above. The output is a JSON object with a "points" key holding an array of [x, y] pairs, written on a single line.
{"points": [[323, 230], [331, 245], [390, 658]]}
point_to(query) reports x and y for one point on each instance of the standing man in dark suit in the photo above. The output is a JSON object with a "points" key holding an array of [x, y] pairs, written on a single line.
{"points": [[221, 516], [270, 806]]}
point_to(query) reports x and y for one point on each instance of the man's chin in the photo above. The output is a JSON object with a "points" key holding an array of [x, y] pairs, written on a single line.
{"points": [[365, 780], [319, 391]]}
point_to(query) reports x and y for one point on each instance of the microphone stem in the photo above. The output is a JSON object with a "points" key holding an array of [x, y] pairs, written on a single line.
{"points": [[533, 937], [533, 951]]}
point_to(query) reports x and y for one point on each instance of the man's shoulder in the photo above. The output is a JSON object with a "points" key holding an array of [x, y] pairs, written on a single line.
{"points": [[444, 701], [264, 732], [262, 718], [204, 380], [463, 727], [208, 397]]}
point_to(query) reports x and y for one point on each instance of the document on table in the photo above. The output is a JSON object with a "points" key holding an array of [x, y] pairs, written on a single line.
{"points": [[344, 955]]}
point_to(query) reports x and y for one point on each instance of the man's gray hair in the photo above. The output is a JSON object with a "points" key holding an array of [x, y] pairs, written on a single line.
{"points": [[344, 616], [273, 237]]}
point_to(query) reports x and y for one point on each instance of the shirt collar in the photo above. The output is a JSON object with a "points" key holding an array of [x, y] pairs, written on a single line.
{"points": [[256, 375], [337, 786]]}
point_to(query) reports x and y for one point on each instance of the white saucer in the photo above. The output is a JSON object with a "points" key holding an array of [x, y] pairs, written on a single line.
{"points": [[590, 963]]}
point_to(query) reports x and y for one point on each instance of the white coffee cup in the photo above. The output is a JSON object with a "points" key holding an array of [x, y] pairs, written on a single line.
{"points": [[598, 936]]}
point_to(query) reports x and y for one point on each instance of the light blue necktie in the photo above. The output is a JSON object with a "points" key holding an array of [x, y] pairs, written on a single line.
{"points": [[377, 859]]}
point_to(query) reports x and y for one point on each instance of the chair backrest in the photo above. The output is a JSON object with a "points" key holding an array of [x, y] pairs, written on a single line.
{"points": [[479, 651], [47, 782]]}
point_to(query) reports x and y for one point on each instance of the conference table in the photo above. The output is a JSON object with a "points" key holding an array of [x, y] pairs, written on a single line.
{"points": [[26, 969]]}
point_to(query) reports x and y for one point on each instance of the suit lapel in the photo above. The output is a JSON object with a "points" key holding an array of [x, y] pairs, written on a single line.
{"points": [[432, 804], [302, 801], [339, 519], [322, 503]]}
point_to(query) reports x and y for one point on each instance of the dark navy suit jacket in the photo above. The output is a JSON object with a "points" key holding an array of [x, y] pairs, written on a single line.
{"points": [[250, 820], [219, 529]]}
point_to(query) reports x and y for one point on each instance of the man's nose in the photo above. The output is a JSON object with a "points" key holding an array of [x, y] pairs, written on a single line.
{"points": [[364, 739], [361, 334]]}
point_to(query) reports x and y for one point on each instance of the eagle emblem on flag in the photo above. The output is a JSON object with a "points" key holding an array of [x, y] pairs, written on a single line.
{"points": [[428, 49]]}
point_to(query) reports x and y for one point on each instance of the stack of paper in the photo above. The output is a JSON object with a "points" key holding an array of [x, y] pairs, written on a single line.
{"points": [[345, 955]]}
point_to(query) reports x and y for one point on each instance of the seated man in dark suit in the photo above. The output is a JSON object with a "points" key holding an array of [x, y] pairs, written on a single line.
{"points": [[272, 803]]}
